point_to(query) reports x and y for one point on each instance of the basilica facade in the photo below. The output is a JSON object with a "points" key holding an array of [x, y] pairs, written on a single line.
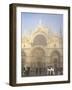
{"points": [[41, 50]]}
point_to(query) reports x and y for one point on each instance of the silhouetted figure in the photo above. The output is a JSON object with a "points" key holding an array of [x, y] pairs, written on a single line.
{"points": [[39, 71], [50, 71], [36, 71], [27, 71]]}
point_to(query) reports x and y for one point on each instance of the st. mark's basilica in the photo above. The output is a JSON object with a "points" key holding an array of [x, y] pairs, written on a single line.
{"points": [[42, 52]]}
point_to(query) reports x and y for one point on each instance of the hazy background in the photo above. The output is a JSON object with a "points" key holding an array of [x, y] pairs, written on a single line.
{"points": [[30, 21]]}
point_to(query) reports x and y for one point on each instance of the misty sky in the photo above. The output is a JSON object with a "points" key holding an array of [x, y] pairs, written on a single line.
{"points": [[29, 21]]}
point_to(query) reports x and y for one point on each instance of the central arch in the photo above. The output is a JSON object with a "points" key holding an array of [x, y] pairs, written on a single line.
{"points": [[38, 60], [38, 56]]}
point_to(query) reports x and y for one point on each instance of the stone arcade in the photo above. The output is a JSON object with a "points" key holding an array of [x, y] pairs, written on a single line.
{"points": [[42, 50]]}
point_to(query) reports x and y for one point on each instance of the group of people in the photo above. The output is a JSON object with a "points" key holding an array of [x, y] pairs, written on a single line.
{"points": [[50, 71], [54, 70], [28, 71]]}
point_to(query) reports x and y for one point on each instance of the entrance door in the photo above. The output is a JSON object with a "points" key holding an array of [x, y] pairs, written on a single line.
{"points": [[38, 60], [55, 61]]}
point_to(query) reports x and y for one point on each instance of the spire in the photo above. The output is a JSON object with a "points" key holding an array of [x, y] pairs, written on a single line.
{"points": [[61, 32], [40, 22], [61, 39]]}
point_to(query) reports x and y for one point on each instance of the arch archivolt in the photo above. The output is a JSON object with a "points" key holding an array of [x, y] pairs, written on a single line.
{"points": [[37, 56], [55, 58], [37, 47], [39, 33]]}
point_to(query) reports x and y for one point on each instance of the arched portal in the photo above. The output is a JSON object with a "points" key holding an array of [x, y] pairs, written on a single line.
{"points": [[55, 59], [56, 63], [38, 56], [38, 60]]}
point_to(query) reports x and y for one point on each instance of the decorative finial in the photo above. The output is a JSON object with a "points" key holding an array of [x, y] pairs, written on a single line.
{"points": [[60, 31], [40, 22]]}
